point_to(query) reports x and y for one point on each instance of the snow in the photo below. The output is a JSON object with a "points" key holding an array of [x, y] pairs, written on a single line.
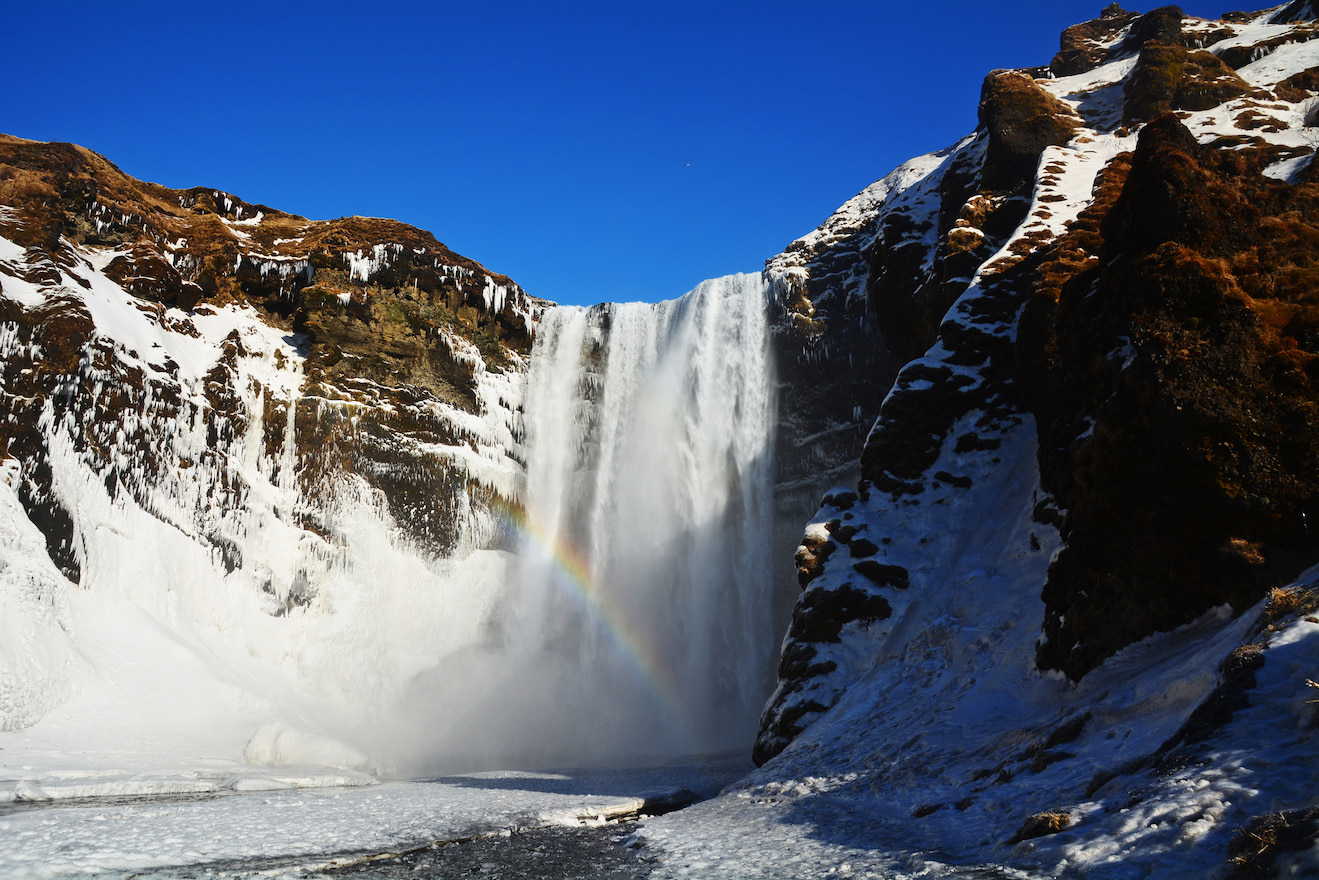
{"points": [[1095, 95], [40, 664], [1289, 170], [279, 745], [243, 834], [26, 294]]}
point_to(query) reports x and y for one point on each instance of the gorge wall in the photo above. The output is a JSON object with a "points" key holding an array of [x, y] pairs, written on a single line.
{"points": [[1063, 620], [1090, 262], [225, 423]]}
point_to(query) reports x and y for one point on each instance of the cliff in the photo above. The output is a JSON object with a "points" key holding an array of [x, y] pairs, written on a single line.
{"points": [[384, 346], [230, 417], [1096, 462]]}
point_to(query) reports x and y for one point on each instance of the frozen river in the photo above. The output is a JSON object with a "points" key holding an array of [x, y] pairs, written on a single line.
{"points": [[560, 824]]}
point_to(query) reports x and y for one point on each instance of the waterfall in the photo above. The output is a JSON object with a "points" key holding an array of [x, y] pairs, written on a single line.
{"points": [[637, 622]]}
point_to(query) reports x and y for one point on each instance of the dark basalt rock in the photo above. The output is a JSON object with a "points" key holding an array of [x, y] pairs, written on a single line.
{"points": [[842, 532], [1021, 119], [953, 480], [860, 548], [821, 614], [1068, 731], [1162, 25], [1188, 467], [775, 735], [1168, 77], [1297, 10], [1079, 51], [146, 275], [839, 499], [796, 663], [882, 575]]}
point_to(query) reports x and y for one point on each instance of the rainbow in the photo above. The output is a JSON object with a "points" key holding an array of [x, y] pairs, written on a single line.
{"points": [[574, 577]]}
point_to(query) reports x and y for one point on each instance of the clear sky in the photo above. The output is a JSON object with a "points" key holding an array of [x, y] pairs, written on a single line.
{"points": [[591, 149]]}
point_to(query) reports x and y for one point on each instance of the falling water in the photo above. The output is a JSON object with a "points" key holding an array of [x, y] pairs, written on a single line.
{"points": [[638, 621]]}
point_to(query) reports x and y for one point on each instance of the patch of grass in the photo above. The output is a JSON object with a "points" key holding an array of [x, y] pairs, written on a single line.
{"points": [[1252, 853]]}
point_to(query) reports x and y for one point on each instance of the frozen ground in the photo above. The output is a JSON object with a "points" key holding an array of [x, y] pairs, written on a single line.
{"points": [[370, 829]]}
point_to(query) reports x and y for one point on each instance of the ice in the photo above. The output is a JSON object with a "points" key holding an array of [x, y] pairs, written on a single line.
{"points": [[279, 745], [40, 664], [243, 830]]}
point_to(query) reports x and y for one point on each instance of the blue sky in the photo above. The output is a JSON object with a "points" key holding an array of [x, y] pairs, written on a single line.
{"points": [[591, 149]]}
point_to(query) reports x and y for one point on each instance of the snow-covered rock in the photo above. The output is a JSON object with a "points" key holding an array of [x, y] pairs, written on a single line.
{"points": [[1037, 631]]}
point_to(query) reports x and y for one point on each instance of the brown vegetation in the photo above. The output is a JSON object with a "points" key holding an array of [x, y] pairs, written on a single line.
{"points": [[1040, 824], [1187, 461]]}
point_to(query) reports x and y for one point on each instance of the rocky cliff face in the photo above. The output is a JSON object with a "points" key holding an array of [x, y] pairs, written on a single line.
{"points": [[1064, 620], [387, 357], [1117, 262], [243, 422]]}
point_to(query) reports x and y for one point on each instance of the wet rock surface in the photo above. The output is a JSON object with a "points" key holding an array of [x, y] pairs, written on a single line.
{"points": [[557, 853]]}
